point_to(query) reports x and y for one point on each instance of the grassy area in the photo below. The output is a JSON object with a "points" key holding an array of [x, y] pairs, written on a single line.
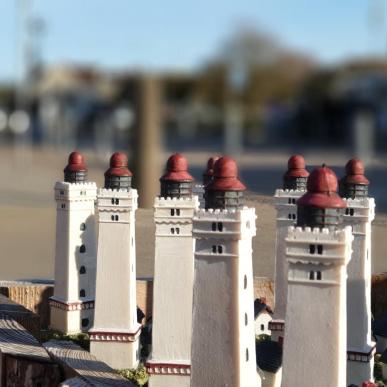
{"points": [[82, 339]]}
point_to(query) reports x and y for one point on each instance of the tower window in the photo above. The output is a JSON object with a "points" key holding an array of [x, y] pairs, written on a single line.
{"points": [[319, 249], [247, 354], [112, 217], [82, 293], [347, 211], [82, 249], [248, 224], [220, 249], [351, 211], [177, 230], [172, 230], [172, 212], [246, 319], [83, 226], [85, 322], [62, 192], [112, 200], [290, 216], [293, 216], [213, 226], [214, 249], [117, 201], [178, 212], [319, 275], [289, 200], [63, 205], [245, 281], [82, 270], [311, 275], [294, 201], [312, 249], [116, 217], [220, 226], [262, 327]]}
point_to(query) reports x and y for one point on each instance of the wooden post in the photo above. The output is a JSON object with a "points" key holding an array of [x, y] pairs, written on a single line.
{"points": [[147, 149]]}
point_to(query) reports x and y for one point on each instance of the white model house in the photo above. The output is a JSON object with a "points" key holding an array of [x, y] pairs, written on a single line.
{"points": [[72, 305], [318, 251], [223, 338], [170, 361], [359, 214], [114, 337], [263, 315], [294, 186]]}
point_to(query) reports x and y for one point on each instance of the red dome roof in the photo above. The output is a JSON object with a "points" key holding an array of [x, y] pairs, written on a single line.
{"points": [[322, 190], [225, 176], [355, 173], [177, 169], [296, 167], [76, 163], [118, 165]]}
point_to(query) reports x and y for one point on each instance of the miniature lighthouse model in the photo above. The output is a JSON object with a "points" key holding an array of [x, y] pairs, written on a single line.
{"points": [[223, 336], [208, 174], [318, 251], [359, 214], [114, 337], [72, 305], [170, 362], [294, 186]]}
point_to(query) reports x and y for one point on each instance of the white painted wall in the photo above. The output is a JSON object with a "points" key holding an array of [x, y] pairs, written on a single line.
{"points": [[173, 287], [316, 330], [75, 227], [115, 304], [359, 215], [223, 337], [285, 204]]}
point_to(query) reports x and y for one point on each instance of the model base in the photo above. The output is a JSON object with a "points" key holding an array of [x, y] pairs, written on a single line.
{"points": [[118, 355]]}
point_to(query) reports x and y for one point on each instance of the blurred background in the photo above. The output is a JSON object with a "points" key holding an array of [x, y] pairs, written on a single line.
{"points": [[258, 80]]}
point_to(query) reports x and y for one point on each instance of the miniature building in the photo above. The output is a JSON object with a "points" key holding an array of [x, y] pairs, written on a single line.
{"points": [[294, 186], [262, 316], [72, 305], [114, 336], [223, 340], [359, 214], [170, 361], [198, 189], [269, 361], [318, 251]]}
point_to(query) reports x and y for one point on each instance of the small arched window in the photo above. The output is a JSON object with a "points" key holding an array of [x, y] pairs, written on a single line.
{"points": [[214, 249], [262, 327], [246, 319], [220, 249], [116, 218], [178, 212], [220, 226], [83, 226], [213, 226], [247, 354], [82, 293], [172, 230], [117, 201], [82, 249], [245, 281], [319, 275], [172, 212], [82, 270], [311, 275]]}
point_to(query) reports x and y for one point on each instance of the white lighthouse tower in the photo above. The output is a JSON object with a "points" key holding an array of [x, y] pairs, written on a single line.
{"points": [[359, 214], [114, 337], [170, 362], [72, 305], [294, 186], [223, 337], [318, 251]]}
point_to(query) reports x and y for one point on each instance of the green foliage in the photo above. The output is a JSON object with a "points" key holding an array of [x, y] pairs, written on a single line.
{"points": [[378, 372], [262, 337], [138, 376], [81, 339]]}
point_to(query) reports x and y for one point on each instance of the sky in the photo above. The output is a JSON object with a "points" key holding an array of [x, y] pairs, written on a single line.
{"points": [[182, 35]]}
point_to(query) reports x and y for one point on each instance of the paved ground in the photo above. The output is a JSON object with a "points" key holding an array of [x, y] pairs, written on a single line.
{"points": [[27, 210]]}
